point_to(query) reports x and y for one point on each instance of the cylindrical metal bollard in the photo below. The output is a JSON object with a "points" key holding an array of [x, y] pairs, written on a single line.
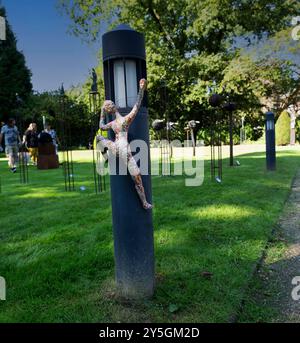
{"points": [[270, 141], [124, 65]]}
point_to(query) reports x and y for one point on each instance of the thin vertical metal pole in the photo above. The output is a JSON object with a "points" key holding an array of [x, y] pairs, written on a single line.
{"points": [[20, 166], [72, 170], [219, 156], [23, 167], [231, 139], [193, 142], [65, 170], [94, 110], [104, 182], [95, 171], [68, 170], [212, 147], [99, 177], [26, 166]]}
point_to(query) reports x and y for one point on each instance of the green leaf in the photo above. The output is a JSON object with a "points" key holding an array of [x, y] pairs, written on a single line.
{"points": [[173, 308]]}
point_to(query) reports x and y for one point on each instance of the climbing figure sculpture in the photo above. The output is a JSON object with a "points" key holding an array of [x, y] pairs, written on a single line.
{"points": [[120, 147]]}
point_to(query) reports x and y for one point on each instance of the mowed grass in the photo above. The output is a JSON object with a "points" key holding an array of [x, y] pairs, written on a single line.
{"points": [[56, 248]]}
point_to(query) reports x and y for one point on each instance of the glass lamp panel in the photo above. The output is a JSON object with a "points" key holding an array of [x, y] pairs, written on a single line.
{"points": [[270, 125], [119, 84], [131, 82]]}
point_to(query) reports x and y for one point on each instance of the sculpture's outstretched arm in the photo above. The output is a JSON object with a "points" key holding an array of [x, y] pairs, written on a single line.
{"points": [[130, 117], [102, 125]]}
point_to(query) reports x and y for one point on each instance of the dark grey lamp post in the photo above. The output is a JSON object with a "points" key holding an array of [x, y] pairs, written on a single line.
{"points": [[124, 61], [270, 141]]}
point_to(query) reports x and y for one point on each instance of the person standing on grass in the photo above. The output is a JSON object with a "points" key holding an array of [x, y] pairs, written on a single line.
{"points": [[12, 141], [31, 141], [53, 135]]}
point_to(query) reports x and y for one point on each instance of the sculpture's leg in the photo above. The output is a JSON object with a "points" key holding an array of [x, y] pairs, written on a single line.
{"points": [[136, 176], [105, 145]]}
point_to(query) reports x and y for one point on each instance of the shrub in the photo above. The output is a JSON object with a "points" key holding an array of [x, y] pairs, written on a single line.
{"points": [[282, 129], [298, 130]]}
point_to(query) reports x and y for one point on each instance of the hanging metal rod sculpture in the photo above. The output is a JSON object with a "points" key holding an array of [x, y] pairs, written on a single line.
{"points": [[95, 110], [22, 155], [68, 167], [23, 166], [215, 140], [159, 126]]}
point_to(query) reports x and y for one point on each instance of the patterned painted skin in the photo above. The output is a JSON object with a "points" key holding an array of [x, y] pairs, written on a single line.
{"points": [[120, 146]]}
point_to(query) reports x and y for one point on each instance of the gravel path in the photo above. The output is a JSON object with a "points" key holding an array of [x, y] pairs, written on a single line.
{"points": [[282, 272]]}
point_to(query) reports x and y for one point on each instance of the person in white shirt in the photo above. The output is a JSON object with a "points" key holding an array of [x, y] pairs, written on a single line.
{"points": [[12, 142]]}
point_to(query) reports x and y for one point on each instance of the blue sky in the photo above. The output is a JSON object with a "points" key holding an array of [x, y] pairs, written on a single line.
{"points": [[53, 55]]}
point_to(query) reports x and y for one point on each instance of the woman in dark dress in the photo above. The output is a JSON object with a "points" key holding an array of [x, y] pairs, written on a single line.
{"points": [[31, 141]]}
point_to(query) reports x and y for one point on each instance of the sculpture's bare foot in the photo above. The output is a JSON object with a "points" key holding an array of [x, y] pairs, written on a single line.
{"points": [[147, 206]]}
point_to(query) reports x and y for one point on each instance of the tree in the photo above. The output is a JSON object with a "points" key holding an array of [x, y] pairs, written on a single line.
{"points": [[282, 129], [15, 77], [49, 105], [190, 44], [278, 69]]}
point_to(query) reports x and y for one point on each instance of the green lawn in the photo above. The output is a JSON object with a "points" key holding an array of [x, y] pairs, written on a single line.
{"points": [[56, 248]]}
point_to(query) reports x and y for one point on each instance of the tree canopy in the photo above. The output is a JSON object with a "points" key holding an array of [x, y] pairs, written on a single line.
{"points": [[194, 46], [15, 77]]}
